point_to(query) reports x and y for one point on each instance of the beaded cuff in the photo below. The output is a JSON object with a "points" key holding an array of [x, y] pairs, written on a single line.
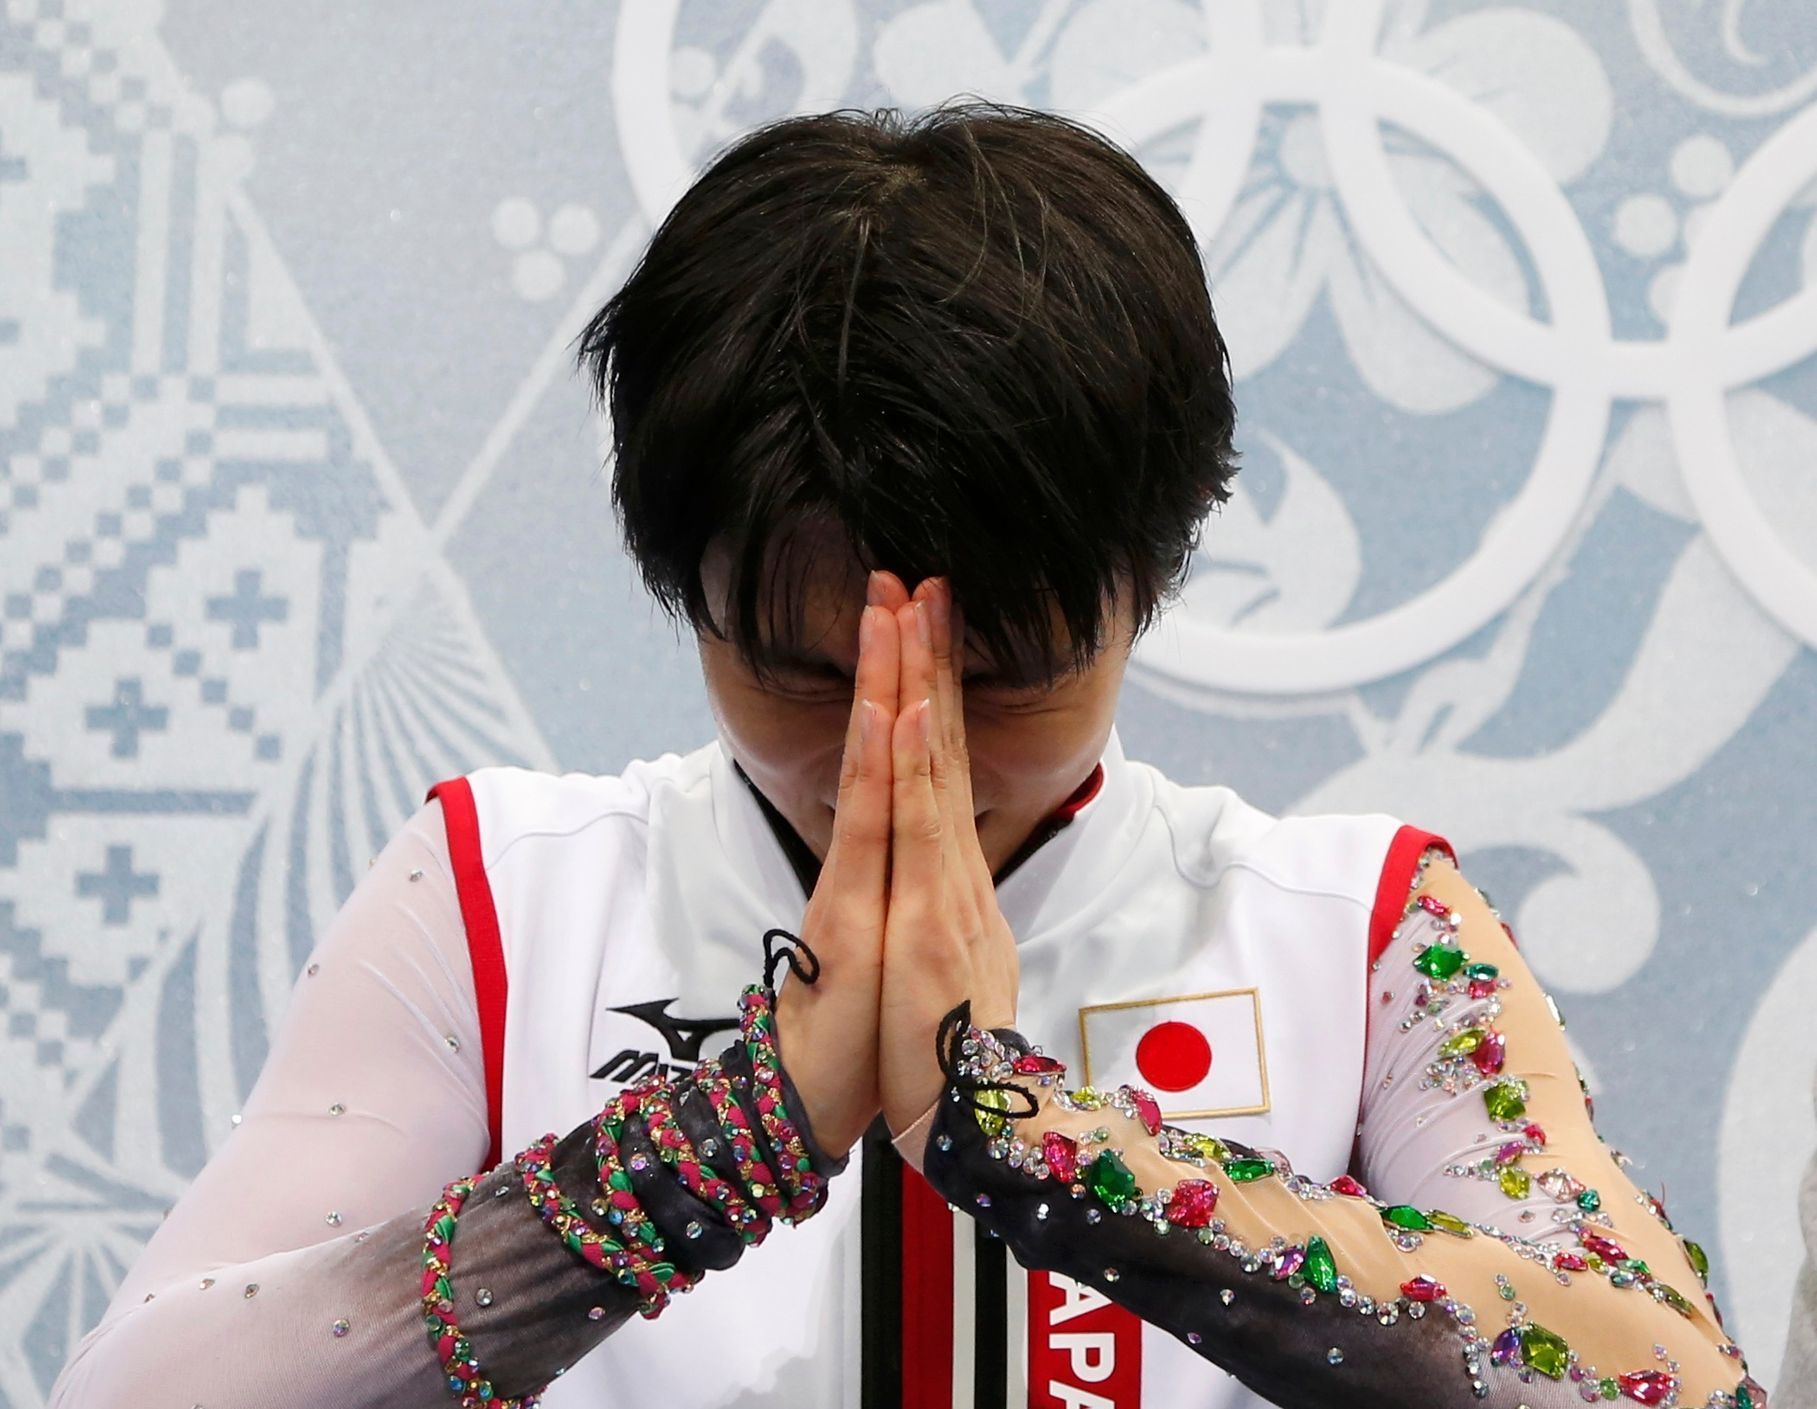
{"points": [[682, 1165], [1262, 1270]]}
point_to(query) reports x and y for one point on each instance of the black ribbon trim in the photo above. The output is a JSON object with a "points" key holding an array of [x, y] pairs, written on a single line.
{"points": [[792, 954], [947, 1042]]}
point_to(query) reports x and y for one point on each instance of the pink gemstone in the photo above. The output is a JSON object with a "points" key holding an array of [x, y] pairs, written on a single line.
{"points": [[1482, 987], [1603, 1248], [1569, 1262], [1344, 1184], [1287, 1262], [1035, 1064], [1510, 1152], [1490, 1052], [1148, 1109], [1648, 1386], [1535, 1133], [1061, 1154], [1432, 905], [1422, 1288], [1192, 1203]]}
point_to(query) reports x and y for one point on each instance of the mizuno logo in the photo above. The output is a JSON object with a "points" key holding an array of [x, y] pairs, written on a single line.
{"points": [[684, 1037]]}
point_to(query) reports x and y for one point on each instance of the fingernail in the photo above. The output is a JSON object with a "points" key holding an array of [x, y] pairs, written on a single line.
{"points": [[867, 721], [924, 723], [867, 628], [873, 590], [923, 627]]}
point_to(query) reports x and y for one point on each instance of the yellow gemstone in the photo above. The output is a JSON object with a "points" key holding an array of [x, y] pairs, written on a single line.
{"points": [[997, 1101]]}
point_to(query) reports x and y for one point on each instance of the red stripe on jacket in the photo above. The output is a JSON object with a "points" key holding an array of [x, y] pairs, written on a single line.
{"points": [[484, 950]]}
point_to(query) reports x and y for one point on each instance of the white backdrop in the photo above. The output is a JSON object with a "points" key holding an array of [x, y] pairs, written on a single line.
{"points": [[302, 506]]}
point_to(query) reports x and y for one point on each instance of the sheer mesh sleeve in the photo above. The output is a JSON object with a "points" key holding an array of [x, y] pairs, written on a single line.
{"points": [[1439, 1277], [290, 1272]]}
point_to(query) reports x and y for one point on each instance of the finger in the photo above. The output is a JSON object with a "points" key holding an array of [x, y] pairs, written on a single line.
{"points": [[951, 768], [858, 858], [916, 832], [885, 589], [949, 676]]}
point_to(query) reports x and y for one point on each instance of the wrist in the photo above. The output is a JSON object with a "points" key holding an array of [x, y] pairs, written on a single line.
{"points": [[834, 1088]]}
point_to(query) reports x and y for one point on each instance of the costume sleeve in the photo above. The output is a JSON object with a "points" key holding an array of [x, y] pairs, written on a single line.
{"points": [[292, 1272], [1798, 1368], [1421, 1281]]}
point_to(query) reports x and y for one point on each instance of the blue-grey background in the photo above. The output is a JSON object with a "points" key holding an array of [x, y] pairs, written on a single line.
{"points": [[302, 507]]}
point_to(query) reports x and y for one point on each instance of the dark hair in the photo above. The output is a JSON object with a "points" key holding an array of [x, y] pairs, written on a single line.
{"points": [[978, 341]]}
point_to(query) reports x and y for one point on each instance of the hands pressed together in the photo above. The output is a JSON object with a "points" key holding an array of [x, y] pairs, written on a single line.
{"points": [[904, 918]]}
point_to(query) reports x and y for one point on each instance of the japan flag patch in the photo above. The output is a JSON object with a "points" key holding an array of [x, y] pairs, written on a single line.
{"points": [[1200, 1054]]}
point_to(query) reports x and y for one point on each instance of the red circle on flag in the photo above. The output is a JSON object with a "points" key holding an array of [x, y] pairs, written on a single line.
{"points": [[1173, 1056]]}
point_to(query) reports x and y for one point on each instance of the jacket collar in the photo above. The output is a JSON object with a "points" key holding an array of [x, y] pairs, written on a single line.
{"points": [[1052, 885]]}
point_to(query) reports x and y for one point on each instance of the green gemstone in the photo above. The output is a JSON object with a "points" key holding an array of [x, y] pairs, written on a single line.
{"points": [[1743, 1400], [1609, 1387], [1516, 1182], [1450, 1223], [1589, 1201], [444, 1289], [1700, 1261], [1460, 1043], [1674, 1299], [1506, 1100], [988, 1122], [1634, 1264], [664, 1272], [620, 1180], [1408, 1217], [1544, 1351], [1111, 1180], [1088, 1098], [1439, 961], [1481, 971], [1319, 1270], [1245, 1171]]}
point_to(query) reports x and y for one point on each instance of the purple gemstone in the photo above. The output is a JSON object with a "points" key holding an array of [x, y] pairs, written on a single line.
{"points": [[1289, 1261], [1506, 1350]]}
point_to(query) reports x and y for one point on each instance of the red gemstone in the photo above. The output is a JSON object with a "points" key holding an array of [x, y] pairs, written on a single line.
{"points": [[1648, 1386], [1061, 1154], [1192, 1203], [1510, 933], [1422, 1288], [1603, 1248], [1344, 1184], [1569, 1262], [1490, 1053], [1535, 1133], [1148, 1109], [1432, 905], [1035, 1064], [1482, 987]]}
